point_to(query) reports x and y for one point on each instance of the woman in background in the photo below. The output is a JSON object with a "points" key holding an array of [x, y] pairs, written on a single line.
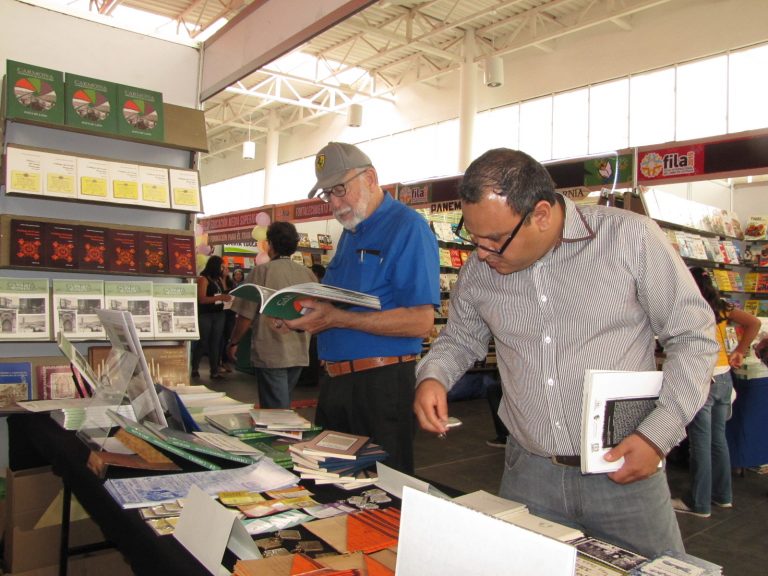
{"points": [[210, 313], [710, 463]]}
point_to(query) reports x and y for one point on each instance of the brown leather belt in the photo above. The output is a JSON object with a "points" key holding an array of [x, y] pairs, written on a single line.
{"points": [[361, 364], [566, 460]]}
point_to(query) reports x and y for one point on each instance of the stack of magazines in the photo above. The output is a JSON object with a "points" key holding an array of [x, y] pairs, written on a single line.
{"points": [[337, 458], [262, 424]]}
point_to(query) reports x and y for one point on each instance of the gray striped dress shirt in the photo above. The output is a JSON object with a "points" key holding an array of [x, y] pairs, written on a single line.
{"points": [[594, 301]]}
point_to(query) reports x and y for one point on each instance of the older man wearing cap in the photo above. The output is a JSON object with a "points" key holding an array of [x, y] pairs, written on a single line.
{"points": [[387, 250]]}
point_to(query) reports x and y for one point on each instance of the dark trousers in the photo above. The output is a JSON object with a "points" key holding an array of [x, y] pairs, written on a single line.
{"points": [[377, 403], [493, 393], [211, 333]]}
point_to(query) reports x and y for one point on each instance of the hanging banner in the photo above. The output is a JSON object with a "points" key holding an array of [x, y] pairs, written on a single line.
{"points": [[665, 163], [607, 170]]}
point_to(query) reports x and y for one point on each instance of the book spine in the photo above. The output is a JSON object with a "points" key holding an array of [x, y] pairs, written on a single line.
{"points": [[154, 440], [210, 450]]}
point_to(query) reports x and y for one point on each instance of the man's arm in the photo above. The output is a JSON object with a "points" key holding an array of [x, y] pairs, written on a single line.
{"points": [[410, 322]]}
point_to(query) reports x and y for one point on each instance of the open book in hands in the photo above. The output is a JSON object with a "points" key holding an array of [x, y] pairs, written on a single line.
{"points": [[284, 303], [614, 404]]}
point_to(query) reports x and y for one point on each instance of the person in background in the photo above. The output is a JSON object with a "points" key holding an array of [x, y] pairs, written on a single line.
{"points": [[761, 349], [238, 277], [229, 320], [710, 463], [278, 358], [562, 289], [210, 314], [387, 250], [319, 271]]}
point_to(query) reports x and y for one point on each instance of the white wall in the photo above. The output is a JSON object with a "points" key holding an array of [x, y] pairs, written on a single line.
{"points": [[675, 32], [46, 38]]}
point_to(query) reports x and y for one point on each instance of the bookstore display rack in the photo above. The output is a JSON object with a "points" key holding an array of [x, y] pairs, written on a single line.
{"points": [[60, 242]]}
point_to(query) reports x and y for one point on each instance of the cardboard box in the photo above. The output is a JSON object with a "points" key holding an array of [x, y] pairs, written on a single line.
{"points": [[97, 564], [29, 495]]}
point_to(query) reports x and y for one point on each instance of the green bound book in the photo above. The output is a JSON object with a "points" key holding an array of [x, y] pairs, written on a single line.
{"points": [[141, 431], [191, 442], [91, 104], [34, 93], [140, 113]]}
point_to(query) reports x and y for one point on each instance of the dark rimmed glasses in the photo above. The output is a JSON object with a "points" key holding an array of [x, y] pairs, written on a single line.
{"points": [[464, 234], [338, 190]]}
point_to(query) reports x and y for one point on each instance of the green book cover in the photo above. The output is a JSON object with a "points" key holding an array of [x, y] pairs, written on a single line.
{"points": [[34, 93], [140, 113], [141, 431], [191, 442], [91, 103]]}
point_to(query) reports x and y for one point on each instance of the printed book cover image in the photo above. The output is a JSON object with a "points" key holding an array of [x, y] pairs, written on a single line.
{"points": [[15, 382], [24, 309], [122, 250], [34, 93], [26, 243], [153, 253], [92, 248], [181, 255], [140, 113], [59, 241], [91, 103], [175, 311], [134, 297], [75, 307]]}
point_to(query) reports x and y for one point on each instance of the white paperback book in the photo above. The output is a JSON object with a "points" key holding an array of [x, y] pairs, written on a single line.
{"points": [[613, 405]]}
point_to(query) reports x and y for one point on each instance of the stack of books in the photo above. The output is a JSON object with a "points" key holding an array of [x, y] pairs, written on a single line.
{"points": [[337, 458], [89, 415], [262, 424]]}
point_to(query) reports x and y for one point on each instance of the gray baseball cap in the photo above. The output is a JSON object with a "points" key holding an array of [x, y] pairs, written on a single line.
{"points": [[334, 161]]}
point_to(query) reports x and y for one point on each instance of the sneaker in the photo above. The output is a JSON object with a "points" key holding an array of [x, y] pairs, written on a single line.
{"points": [[723, 504], [498, 442], [679, 506]]}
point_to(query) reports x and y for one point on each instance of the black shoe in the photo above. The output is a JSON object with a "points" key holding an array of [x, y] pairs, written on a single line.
{"points": [[498, 442], [195, 374]]}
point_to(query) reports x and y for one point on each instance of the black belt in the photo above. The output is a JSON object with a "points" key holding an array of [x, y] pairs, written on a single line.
{"points": [[566, 460]]}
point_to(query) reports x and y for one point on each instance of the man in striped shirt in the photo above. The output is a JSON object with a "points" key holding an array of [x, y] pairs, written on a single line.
{"points": [[563, 289]]}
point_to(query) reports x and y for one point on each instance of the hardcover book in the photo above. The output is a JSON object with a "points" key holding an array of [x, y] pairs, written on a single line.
{"points": [[59, 246], [24, 310], [92, 248], [332, 444], [91, 103], [26, 247], [122, 251], [181, 254], [59, 175], [284, 303], [140, 113], [153, 253], [15, 382], [34, 93], [75, 307], [175, 311], [55, 382], [134, 297], [123, 178], [155, 186], [185, 190], [614, 404], [92, 179], [23, 171]]}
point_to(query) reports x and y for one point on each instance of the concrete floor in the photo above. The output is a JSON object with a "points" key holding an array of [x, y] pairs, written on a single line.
{"points": [[737, 539]]}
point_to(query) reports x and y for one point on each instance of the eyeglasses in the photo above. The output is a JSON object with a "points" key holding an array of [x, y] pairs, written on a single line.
{"points": [[462, 233], [338, 190]]}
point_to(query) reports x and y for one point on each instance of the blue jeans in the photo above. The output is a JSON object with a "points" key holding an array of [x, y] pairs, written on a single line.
{"points": [[710, 462], [636, 516], [276, 385]]}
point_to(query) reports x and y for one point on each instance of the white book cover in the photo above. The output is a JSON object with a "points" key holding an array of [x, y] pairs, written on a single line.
{"points": [[75, 307], [185, 190], [92, 179], [154, 185], [123, 183], [59, 175], [174, 307], [23, 171], [614, 404], [134, 297], [24, 309]]}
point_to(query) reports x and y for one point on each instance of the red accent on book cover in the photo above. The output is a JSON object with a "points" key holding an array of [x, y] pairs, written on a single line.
{"points": [[153, 253], [59, 246], [26, 243], [122, 251], [92, 248], [181, 255]]}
